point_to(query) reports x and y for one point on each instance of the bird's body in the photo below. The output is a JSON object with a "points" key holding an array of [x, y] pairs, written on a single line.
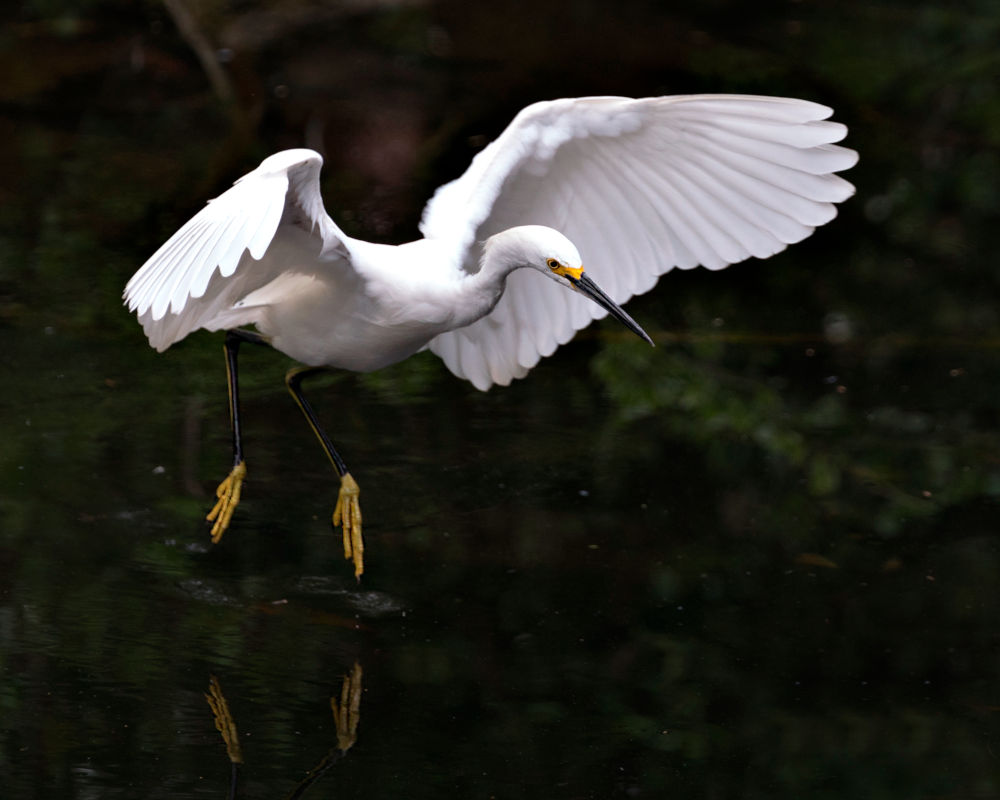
{"points": [[640, 186], [359, 319]]}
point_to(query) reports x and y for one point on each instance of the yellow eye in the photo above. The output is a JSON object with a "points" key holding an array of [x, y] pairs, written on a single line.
{"points": [[553, 264]]}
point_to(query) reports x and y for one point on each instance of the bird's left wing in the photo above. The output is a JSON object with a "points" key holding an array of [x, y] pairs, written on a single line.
{"points": [[218, 256], [640, 186]]}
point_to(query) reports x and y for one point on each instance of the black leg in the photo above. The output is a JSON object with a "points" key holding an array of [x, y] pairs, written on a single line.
{"points": [[293, 379], [229, 490], [348, 510]]}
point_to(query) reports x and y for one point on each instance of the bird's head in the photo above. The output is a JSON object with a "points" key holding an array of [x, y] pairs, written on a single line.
{"points": [[556, 257]]}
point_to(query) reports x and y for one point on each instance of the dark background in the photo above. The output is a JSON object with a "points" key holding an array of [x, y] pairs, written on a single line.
{"points": [[757, 561]]}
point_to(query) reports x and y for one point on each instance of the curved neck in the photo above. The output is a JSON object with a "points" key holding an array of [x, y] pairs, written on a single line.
{"points": [[481, 291]]}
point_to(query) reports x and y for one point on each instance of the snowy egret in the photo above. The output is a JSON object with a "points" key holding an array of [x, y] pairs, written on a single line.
{"points": [[640, 186]]}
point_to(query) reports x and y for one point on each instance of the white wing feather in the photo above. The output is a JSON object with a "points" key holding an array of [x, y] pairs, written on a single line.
{"points": [[199, 275], [640, 186]]}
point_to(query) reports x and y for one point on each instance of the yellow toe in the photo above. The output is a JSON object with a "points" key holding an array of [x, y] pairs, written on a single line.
{"points": [[228, 495], [347, 513]]}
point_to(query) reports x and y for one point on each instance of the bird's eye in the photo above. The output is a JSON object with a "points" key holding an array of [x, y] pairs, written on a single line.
{"points": [[553, 264]]}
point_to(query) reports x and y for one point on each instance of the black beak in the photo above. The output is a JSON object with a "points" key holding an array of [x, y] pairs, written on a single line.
{"points": [[586, 286]]}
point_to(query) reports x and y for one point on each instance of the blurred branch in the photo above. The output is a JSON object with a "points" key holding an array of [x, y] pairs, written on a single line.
{"points": [[197, 41], [192, 33]]}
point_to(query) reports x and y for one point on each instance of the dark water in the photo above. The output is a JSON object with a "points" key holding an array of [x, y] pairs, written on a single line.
{"points": [[760, 560]]}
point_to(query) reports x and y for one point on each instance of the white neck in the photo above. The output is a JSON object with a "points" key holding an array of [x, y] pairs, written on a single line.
{"points": [[502, 254]]}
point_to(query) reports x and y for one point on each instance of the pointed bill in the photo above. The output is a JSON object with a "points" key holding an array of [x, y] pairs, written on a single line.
{"points": [[586, 286]]}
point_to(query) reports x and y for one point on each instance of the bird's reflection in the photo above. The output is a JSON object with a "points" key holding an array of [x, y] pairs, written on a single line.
{"points": [[346, 716], [227, 727]]}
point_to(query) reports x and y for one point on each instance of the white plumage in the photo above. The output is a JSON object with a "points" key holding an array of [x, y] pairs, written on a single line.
{"points": [[638, 186], [635, 186]]}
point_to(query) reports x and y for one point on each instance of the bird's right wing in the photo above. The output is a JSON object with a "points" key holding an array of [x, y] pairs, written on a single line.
{"points": [[640, 187], [217, 257]]}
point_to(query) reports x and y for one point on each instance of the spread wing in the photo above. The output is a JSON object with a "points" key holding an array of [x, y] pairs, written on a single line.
{"points": [[640, 186], [219, 256]]}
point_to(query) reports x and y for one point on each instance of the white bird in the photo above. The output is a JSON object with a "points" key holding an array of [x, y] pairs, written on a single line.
{"points": [[639, 186]]}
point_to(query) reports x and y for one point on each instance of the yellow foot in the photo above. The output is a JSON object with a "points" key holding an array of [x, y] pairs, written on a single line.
{"points": [[229, 497], [348, 513]]}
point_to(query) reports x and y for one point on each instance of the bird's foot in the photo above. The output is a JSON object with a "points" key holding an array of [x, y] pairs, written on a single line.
{"points": [[348, 514], [229, 497]]}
